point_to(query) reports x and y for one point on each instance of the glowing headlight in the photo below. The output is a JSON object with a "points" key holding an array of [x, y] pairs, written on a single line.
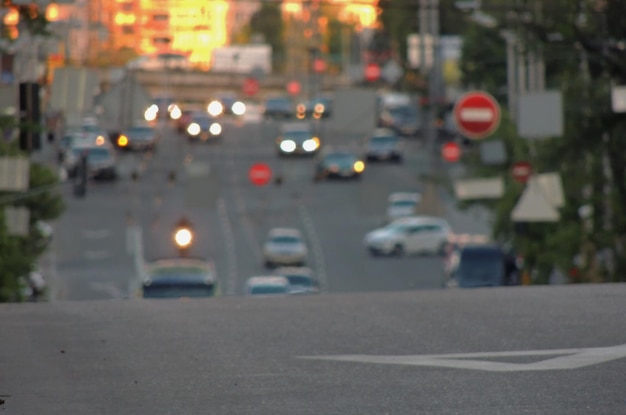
{"points": [[319, 107], [175, 113], [358, 166], [151, 113], [215, 108], [215, 129], [288, 146], [310, 145], [122, 141], [193, 129], [183, 237], [239, 108]]}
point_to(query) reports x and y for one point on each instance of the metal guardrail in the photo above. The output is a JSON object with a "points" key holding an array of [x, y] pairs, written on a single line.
{"points": [[198, 86]]}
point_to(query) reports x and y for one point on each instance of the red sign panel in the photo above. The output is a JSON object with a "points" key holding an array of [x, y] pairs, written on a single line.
{"points": [[372, 72], [319, 65], [521, 171], [250, 87], [260, 174], [477, 115], [451, 152]]}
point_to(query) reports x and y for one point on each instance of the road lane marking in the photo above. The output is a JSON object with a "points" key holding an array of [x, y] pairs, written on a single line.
{"points": [[240, 206], [229, 243], [316, 246], [565, 359], [136, 237]]}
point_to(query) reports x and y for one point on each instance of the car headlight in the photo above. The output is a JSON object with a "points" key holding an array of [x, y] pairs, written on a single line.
{"points": [[311, 144], [288, 146], [358, 166], [215, 129], [239, 108], [215, 108], [193, 129], [151, 113], [175, 113]]}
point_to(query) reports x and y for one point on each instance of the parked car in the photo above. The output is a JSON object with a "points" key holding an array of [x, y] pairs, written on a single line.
{"points": [[411, 235], [483, 265]]}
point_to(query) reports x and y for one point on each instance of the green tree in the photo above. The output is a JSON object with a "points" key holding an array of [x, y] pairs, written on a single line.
{"points": [[19, 254], [268, 22], [584, 57], [483, 60]]}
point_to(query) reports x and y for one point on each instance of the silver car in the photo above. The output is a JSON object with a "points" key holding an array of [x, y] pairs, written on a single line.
{"points": [[284, 246], [301, 280]]}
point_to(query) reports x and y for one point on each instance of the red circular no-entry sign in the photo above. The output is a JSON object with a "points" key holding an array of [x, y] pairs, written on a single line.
{"points": [[521, 171], [451, 152], [477, 115], [250, 86], [372, 72], [260, 174]]}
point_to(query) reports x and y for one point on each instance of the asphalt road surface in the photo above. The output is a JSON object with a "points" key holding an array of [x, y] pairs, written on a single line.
{"points": [[521, 350], [103, 239]]}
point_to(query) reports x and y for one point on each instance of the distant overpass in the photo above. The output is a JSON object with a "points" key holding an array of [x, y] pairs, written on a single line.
{"points": [[195, 86]]}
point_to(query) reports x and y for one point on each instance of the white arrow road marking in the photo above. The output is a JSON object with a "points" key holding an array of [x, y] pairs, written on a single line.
{"points": [[567, 359], [476, 114]]}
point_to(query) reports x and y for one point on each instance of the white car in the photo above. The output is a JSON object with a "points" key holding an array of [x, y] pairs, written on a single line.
{"points": [[411, 235], [301, 280], [403, 204], [267, 285], [284, 246]]}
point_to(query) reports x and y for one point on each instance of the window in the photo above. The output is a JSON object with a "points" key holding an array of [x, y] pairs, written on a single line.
{"points": [[128, 30], [160, 40], [127, 7], [160, 17]]}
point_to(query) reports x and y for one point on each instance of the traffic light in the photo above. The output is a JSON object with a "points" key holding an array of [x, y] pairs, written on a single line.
{"points": [[30, 117]]}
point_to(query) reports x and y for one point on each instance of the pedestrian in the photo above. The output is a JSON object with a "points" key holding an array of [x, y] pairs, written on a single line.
{"points": [[51, 125], [37, 285]]}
